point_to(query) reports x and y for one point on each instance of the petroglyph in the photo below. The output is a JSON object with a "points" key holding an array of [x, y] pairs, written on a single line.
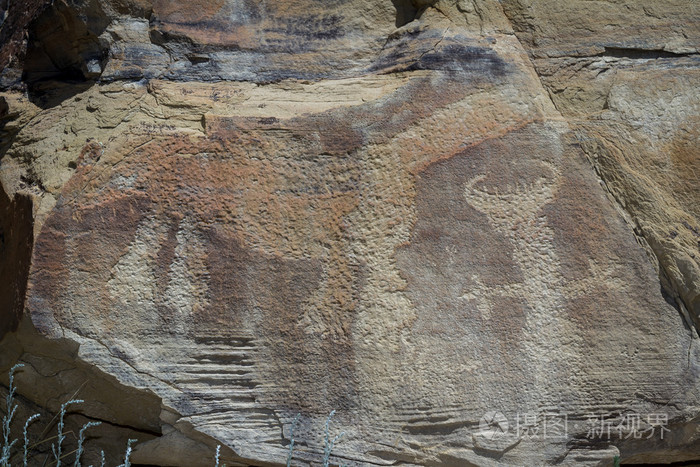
{"points": [[133, 281], [188, 281], [517, 213]]}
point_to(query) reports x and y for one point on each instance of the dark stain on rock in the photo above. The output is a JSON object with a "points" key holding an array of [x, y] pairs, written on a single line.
{"points": [[428, 51], [310, 27], [459, 58], [268, 120]]}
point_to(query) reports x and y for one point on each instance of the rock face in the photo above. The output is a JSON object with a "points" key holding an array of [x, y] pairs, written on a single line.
{"points": [[629, 94], [471, 228]]}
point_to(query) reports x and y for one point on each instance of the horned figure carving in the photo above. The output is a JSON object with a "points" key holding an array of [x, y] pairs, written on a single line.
{"points": [[517, 214]]}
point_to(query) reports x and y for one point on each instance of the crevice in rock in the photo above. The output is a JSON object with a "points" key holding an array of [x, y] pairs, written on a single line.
{"points": [[123, 426], [7, 133], [64, 54], [405, 12], [15, 16], [16, 242], [640, 54], [668, 290], [409, 10]]}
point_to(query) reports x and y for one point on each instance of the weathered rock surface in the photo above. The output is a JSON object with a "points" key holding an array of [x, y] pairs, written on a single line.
{"points": [[625, 75], [414, 213]]}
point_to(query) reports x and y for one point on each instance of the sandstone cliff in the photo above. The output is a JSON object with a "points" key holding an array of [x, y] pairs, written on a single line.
{"points": [[425, 215]]}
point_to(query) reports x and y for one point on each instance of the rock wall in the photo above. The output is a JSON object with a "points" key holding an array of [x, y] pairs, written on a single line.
{"points": [[625, 77], [453, 223]]}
